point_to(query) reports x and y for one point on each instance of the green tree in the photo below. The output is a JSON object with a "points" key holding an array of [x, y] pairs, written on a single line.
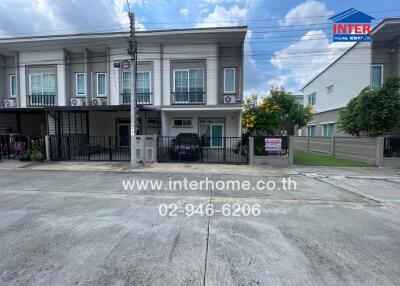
{"points": [[374, 112], [274, 112]]}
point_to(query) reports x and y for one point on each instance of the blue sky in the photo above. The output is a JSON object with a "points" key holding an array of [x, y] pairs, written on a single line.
{"points": [[288, 42]]}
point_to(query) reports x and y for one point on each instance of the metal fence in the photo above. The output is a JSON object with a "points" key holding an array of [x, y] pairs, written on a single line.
{"points": [[89, 148], [16, 146], [391, 147], [225, 150]]}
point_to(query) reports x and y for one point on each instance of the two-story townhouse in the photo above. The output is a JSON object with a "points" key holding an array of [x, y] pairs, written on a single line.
{"points": [[362, 65], [188, 80]]}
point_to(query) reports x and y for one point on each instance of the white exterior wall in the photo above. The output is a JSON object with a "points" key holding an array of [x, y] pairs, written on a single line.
{"points": [[232, 120], [349, 75], [115, 55]]}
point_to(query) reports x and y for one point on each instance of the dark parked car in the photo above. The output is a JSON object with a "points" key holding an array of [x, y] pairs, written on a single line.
{"points": [[186, 145]]}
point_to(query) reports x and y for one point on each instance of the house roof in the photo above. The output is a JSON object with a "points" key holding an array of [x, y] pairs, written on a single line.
{"points": [[375, 29], [165, 32]]}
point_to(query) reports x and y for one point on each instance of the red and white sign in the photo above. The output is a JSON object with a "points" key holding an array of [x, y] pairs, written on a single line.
{"points": [[273, 144]]}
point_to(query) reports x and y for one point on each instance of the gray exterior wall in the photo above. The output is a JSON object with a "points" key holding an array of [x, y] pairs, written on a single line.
{"points": [[9, 70], [39, 69], [77, 65], [2, 82], [230, 57], [328, 116], [387, 53], [98, 64]]}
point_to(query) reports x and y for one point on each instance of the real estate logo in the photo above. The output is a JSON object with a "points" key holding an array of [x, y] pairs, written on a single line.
{"points": [[351, 26]]}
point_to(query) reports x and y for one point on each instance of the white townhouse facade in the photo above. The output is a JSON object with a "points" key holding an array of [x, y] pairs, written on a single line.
{"points": [[362, 65], [188, 81]]}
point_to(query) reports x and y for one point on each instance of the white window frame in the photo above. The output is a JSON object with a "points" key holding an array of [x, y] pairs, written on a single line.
{"points": [[175, 70], [150, 78], [122, 81], [11, 76], [105, 84], [76, 84], [309, 125], [234, 80], [42, 74], [382, 67], [326, 123], [313, 94], [182, 126], [188, 72]]}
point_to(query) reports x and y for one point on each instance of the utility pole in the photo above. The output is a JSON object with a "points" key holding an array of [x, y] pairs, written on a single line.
{"points": [[132, 50]]}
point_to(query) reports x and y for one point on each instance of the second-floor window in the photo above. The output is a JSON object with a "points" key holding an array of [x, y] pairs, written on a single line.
{"points": [[189, 86], [143, 82], [101, 84], [312, 98], [13, 85], [143, 87], [126, 82], [376, 76], [229, 80], [43, 84], [80, 84]]}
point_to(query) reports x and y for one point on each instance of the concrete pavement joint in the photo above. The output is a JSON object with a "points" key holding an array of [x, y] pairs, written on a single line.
{"points": [[207, 241]]}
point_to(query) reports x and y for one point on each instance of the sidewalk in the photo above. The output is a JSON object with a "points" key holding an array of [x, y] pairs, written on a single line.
{"points": [[151, 168]]}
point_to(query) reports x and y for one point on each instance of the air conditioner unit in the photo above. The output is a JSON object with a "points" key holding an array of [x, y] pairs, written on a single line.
{"points": [[99, 101], [78, 102], [229, 99], [10, 103]]}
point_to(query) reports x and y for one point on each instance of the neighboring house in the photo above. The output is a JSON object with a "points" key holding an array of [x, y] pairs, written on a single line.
{"points": [[362, 65], [188, 80]]}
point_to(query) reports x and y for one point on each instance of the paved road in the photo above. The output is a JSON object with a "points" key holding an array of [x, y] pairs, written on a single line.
{"points": [[82, 228]]}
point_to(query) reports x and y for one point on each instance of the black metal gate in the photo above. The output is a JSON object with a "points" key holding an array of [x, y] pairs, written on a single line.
{"points": [[89, 148], [219, 150]]}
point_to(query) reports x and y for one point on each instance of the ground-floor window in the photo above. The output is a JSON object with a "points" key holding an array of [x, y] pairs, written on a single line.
{"points": [[328, 129], [153, 123], [183, 122], [211, 131], [311, 130]]}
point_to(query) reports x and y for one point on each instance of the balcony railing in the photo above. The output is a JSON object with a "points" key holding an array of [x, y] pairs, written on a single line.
{"points": [[193, 97], [42, 100], [142, 98]]}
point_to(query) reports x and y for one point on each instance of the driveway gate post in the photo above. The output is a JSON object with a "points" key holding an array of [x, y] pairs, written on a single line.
{"points": [[251, 150]]}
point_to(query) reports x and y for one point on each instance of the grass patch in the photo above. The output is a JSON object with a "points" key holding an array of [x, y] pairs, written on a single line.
{"points": [[308, 159]]}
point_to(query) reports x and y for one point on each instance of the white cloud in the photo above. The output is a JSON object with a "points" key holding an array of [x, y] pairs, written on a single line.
{"points": [[278, 81], [122, 15], [307, 57], [309, 12], [184, 12], [224, 17], [255, 80]]}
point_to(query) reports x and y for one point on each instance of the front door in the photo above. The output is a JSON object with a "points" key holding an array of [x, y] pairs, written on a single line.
{"points": [[217, 130], [212, 132], [123, 134]]}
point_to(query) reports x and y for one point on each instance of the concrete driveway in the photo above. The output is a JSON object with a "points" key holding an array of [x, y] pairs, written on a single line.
{"points": [[341, 226]]}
